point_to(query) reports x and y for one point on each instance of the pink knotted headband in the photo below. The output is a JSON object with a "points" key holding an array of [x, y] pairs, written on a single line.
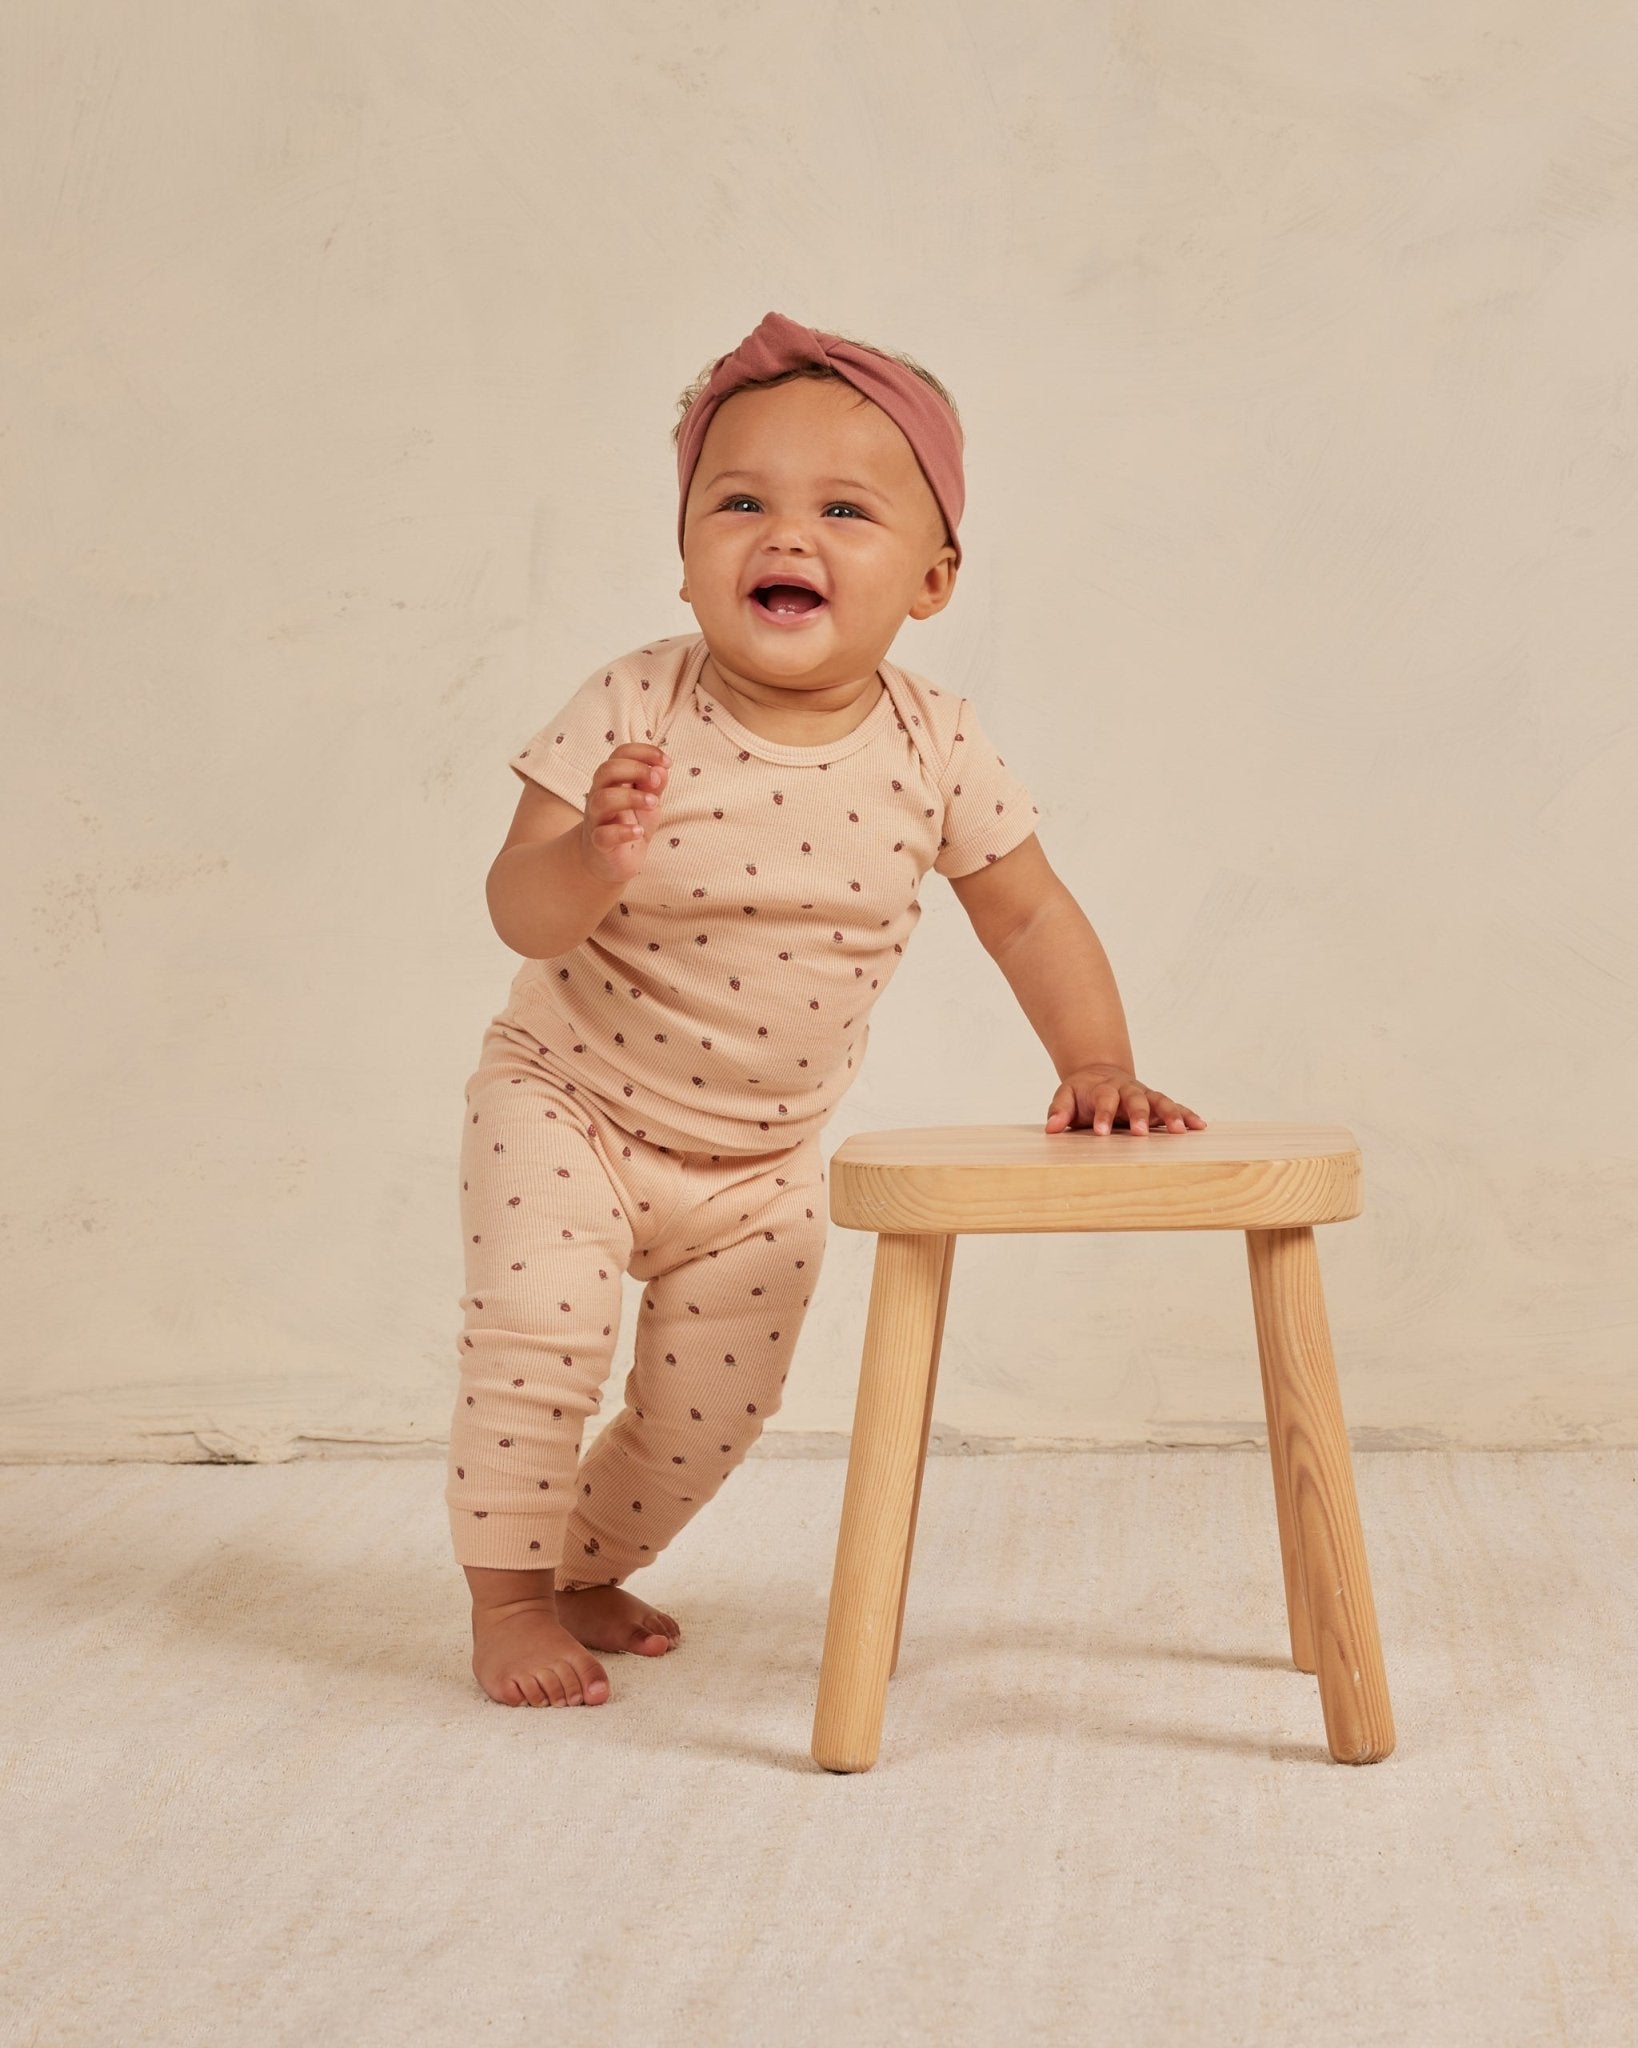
{"points": [[909, 401]]}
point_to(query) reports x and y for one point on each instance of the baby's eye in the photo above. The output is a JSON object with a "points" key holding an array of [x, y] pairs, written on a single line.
{"points": [[744, 498]]}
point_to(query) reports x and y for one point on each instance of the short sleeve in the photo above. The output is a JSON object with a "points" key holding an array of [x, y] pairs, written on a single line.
{"points": [[987, 810], [565, 755]]}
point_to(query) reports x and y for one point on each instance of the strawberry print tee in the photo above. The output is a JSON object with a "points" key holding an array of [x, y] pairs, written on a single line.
{"points": [[722, 1006]]}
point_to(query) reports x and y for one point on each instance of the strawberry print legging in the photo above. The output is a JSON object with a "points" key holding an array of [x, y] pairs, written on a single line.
{"points": [[557, 1201]]}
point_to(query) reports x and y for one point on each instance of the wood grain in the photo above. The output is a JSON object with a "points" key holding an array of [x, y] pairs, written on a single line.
{"points": [[1322, 1542], [1012, 1177], [883, 1481], [918, 1190]]}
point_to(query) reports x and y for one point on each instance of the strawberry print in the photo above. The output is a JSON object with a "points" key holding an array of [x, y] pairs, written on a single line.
{"points": [[771, 910]]}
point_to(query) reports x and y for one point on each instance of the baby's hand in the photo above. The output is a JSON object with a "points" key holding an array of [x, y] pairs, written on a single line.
{"points": [[1100, 1095], [622, 809]]}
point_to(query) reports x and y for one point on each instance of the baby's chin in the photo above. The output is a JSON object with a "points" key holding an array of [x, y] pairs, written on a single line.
{"points": [[798, 679]]}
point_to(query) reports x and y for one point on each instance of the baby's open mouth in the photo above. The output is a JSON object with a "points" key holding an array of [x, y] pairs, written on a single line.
{"points": [[786, 597]]}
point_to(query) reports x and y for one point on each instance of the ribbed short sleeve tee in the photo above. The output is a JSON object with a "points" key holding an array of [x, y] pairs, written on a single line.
{"points": [[722, 1006]]}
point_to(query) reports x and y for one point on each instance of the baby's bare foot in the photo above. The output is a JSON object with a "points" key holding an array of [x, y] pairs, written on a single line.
{"points": [[608, 1618], [522, 1655]]}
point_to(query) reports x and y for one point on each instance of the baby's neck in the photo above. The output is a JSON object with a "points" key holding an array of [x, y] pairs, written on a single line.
{"points": [[793, 725]]}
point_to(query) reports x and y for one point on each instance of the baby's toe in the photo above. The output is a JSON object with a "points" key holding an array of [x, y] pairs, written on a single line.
{"points": [[650, 1637], [588, 1682]]}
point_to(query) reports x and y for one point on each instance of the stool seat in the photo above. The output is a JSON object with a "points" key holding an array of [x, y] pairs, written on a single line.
{"points": [[920, 1189], [994, 1177]]}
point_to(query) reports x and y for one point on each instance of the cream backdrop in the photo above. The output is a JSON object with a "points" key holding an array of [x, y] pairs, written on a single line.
{"points": [[1294, 346]]}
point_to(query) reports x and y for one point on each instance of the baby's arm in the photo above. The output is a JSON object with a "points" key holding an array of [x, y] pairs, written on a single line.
{"points": [[562, 871], [1044, 944]]}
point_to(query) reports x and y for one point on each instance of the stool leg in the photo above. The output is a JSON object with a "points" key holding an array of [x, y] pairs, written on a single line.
{"points": [[1296, 1586], [926, 1433], [1294, 1342], [888, 1420]]}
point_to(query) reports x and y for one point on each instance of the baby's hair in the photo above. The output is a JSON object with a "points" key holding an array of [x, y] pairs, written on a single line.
{"points": [[807, 370]]}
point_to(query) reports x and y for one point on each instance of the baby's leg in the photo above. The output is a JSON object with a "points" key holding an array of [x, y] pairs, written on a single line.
{"points": [[718, 1323], [545, 1243]]}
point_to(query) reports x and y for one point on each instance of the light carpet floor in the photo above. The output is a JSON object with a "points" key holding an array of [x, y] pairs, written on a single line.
{"points": [[250, 1792]]}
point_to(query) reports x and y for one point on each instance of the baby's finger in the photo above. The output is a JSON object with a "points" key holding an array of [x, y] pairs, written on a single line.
{"points": [[1062, 1106], [615, 837], [1178, 1114], [1153, 1113], [1105, 1102], [624, 771], [610, 800]]}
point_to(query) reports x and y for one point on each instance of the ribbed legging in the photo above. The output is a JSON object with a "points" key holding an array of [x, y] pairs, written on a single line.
{"points": [[557, 1201]]}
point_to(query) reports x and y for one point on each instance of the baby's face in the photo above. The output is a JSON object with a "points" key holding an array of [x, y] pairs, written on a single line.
{"points": [[811, 477]]}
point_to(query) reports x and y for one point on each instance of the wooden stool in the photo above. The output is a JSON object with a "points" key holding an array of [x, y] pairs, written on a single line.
{"points": [[918, 1190]]}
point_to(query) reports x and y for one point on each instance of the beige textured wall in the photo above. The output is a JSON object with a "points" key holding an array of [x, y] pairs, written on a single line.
{"points": [[1294, 345]]}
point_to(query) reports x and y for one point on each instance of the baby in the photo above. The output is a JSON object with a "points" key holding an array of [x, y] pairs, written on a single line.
{"points": [[711, 877]]}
